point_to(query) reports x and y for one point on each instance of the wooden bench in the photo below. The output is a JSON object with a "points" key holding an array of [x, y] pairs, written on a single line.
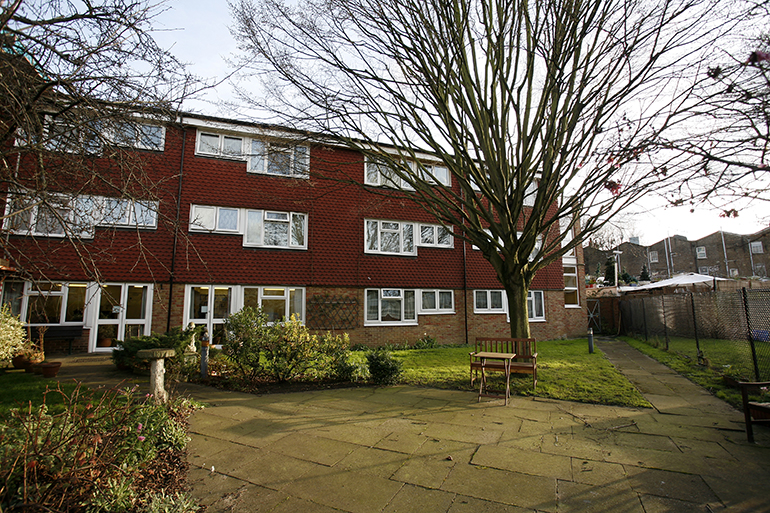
{"points": [[754, 413], [524, 363]]}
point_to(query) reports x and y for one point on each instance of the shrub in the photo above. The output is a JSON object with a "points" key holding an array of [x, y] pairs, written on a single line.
{"points": [[245, 333], [426, 342], [12, 334], [383, 368], [291, 351], [124, 355], [337, 364], [90, 457]]}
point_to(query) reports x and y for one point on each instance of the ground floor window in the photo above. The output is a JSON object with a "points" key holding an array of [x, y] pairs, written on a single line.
{"points": [[209, 305], [390, 306], [571, 296], [46, 302], [436, 302], [496, 302], [124, 310]]}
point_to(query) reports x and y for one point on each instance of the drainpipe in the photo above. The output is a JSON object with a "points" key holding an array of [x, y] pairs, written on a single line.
{"points": [[751, 256], [724, 248], [176, 231], [666, 250]]}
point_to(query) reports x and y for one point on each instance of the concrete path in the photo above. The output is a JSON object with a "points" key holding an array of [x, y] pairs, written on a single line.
{"points": [[403, 449]]}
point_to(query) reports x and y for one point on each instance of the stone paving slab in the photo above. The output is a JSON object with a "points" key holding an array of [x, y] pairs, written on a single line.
{"points": [[409, 449]]}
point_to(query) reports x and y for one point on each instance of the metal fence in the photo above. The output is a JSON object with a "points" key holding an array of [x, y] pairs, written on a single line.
{"points": [[728, 331]]}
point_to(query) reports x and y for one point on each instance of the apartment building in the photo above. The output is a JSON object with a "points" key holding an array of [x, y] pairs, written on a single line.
{"points": [[245, 214]]}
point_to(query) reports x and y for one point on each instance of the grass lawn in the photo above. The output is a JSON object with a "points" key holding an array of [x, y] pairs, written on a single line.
{"points": [[566, 371], [709, 377], [19, 388]]}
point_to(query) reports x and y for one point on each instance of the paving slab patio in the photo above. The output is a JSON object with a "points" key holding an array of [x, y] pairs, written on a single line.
{"points": [[402, 448]]}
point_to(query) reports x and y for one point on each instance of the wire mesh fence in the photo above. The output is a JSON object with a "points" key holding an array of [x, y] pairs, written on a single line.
{"points": [[728, 331]]}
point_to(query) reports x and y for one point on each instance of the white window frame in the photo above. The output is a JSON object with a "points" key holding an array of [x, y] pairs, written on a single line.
{"points": [[487, 295], [142, 138], [756, 247], [79, 140], [700, 252], [261, 217], [196, 226], [219, 151], [653, 257], [80, 220], [404, 249], [391, 294], [437, 309], [532, 295], [208, 321], [441, 173], [704, 270], [32, 291], [435, 228], [530, 194], [379, 178], [570, 289], [260, 152], [286, 296]]}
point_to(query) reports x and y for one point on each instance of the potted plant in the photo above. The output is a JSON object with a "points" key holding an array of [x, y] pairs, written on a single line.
{"points": [[12, 339], [50, 369]]}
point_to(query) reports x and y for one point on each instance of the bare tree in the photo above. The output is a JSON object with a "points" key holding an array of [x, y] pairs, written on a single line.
{"points": [[725, 147], [543, 113], [82, 86]]}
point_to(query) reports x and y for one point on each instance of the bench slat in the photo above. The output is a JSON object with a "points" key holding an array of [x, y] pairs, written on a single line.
{"points": [[524, 363]]}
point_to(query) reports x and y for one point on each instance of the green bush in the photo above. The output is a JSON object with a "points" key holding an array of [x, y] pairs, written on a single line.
{"points": [[12, 334], [426, 342], [88, 457], [291, 351], [383, 368], [245, 334], [124, 355], [337, 364]]}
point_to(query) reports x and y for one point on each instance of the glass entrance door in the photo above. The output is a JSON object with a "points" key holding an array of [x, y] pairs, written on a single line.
{"points": [[124, 311]]}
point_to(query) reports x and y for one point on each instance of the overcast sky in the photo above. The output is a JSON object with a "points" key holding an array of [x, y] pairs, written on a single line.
{"points": [[197, 32]]}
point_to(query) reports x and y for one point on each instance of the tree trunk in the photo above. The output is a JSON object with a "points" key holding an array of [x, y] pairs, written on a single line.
{"points": [[517, 310]]}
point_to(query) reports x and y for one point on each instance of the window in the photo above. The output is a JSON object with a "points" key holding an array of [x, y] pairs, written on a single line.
{"points": [[569, 234], [279, 159], [489, 301], [733, 272], [571, 296], [12, 295], [79, 216], [220, 145], [703, 270], [436, 235], [390, 306], [278, 303], [389, 237], [379, 173], [436, 301], [496, 302], [530, 194], [435, 174], [55, 303], [653, 257], [700, 252], [757, 248], [214, 219], [73, 135], [535, 305], [139, 135], [208, 305], [275, 229]]}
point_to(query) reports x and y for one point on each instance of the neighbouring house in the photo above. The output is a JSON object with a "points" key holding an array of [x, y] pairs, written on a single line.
{"points": [[720, 254], [245, 214]]}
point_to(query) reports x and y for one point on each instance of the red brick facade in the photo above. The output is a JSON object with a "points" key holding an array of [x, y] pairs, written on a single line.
{"points": [[334, 261]]}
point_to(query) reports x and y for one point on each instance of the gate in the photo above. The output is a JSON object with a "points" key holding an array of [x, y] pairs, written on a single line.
{"points": [[594, 315]]}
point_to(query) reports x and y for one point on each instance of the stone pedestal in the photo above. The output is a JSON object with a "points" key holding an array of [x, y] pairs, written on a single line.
{"points": [[157, 370]]}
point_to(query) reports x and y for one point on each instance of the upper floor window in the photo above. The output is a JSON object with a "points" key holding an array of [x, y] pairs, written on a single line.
{"points": [[389, 237], [436, 235], [260, 228], [279, 159], [379, 173], [435, 174], [757, 248], [653, 257], [60, 215], [220, 145], [700, 252], [139, 135], [275, 229]]}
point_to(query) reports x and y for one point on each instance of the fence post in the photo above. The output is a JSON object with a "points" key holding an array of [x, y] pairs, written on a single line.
{"points": [[695, 329], [665, 326], [749, 333], [644, 321]]}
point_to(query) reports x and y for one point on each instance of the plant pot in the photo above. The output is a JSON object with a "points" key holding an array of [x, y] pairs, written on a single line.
{"points": [[32, 364], [20, 361], [50, 369], [36, 368]]}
